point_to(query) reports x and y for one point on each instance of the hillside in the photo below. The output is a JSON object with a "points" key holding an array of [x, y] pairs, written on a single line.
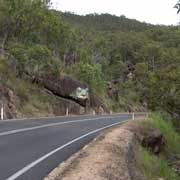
{"points": [[105, 22], [127, 65], [137, 58]]}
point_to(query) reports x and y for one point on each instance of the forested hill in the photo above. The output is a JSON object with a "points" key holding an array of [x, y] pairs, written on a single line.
{"points": [[129, 65], [142, 60], [105, 22]]}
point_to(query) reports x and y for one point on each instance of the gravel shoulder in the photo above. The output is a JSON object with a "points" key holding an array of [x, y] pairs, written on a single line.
{"points": [[111, 156]]}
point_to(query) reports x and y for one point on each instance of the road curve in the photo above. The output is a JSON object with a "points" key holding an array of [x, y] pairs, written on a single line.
{"points": [[30, 149]]}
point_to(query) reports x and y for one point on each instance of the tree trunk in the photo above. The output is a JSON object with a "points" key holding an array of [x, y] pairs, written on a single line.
{"points": [[4, 42]]}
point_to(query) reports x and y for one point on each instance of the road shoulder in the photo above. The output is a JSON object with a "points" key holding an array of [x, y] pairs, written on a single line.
{"points": [[110, 156]]}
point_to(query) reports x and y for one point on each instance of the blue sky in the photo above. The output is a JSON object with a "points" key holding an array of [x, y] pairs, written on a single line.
{"points": [[151, 11]]}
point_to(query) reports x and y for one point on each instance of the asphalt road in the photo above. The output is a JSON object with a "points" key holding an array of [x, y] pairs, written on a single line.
{"points": [[30, 149]]}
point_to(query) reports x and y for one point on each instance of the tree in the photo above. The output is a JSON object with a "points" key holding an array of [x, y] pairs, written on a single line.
{"points": [[177, 6], [19, 17]]}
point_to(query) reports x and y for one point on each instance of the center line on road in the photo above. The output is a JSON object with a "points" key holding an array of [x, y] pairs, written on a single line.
{"points": [[55, 124], [31, 165]]}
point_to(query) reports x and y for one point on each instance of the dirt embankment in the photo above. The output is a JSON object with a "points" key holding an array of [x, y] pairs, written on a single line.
{"points": [[112, 156]]}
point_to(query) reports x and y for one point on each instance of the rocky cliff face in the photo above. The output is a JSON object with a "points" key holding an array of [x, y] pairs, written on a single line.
{"points": [[60, 106], [60, 94]]}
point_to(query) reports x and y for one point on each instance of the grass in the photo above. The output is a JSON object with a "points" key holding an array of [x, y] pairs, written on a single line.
{"points": [[154, 167], [158, 166], [38, 104], [167, 129], [31, 99]]}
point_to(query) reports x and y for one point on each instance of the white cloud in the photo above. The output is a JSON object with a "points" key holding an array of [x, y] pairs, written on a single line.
{"points": [[151, 11]]}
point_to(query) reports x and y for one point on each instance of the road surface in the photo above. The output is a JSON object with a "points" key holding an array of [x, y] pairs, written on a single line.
{"points": [[30, 149]]}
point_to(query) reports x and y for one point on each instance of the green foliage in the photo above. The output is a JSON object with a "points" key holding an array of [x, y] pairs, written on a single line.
{"points": [[32, 59], [39, 59], [167, 129], [143, 59], [104, 22], [154, 167], [167, 82], [90, 74], [4, 71], [34, 35], [84, 56]]}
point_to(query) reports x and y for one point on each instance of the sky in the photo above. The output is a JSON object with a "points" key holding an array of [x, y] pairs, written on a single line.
{"points": [[150, 11]]}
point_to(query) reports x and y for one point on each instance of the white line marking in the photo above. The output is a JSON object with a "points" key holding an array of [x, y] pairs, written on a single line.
{"points": [[55, 117], [42, 118], [55, 124], [31, 165]]}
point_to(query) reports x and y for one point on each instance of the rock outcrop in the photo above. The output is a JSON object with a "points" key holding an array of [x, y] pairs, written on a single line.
{"points": [[97, 104], [65, 87], [112, 91], [150, 138], [9, 101], [61, 105], [154, 140], [66, 92]]}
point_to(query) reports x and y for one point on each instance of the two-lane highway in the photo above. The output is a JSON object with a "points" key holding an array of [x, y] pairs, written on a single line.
{"points": [[30, 149]]}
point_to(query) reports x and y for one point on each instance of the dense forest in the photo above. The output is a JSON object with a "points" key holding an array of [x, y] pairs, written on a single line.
{"points": [[132, 66], [141, 59]]}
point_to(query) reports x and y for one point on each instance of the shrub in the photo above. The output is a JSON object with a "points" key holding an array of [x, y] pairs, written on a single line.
{"points": [[166, 127], [153, 167]]}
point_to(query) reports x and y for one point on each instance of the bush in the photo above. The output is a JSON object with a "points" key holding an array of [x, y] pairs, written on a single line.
{"points": [[166, 127], [154, 167], [36, 59], [90, 74]]}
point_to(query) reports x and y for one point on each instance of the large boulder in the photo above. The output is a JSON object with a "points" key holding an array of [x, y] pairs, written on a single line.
{"points": [[152, 139], [112, 90], [64, 86], [71, 89], [97, 104]]}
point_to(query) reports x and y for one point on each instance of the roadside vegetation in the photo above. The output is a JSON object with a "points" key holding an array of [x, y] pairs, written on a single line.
{"points": [[166, 165], [154, 167]]}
